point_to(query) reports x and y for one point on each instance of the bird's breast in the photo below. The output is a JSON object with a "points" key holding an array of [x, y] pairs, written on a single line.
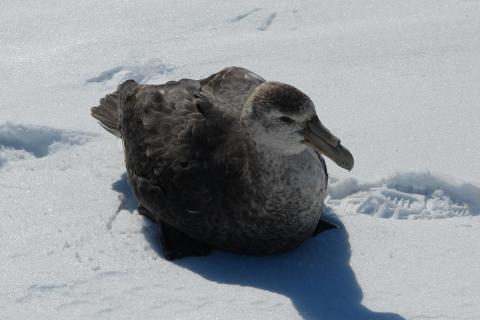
{"points": [[286, 204]]}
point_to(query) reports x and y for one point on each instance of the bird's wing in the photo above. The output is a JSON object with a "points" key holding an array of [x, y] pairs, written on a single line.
{"points": [[230, 88], [324, 165], [171, 136]]}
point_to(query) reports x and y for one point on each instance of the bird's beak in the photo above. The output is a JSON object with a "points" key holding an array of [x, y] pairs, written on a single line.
{"points": [[321, 139]]}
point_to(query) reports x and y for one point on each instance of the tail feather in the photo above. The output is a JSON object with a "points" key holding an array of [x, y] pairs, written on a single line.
{"points": [[107, 113]]}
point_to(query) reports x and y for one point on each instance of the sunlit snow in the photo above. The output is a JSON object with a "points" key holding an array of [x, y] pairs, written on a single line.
{"points": [[398, 82]]}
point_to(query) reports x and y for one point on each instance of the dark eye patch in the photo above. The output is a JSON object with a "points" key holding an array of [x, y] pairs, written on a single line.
{"points": [[286, 119]]}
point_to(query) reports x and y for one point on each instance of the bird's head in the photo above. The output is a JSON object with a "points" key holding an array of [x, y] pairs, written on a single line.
{"points": [[281, 117]]}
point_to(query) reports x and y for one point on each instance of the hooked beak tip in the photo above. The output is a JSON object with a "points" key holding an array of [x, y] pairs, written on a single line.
{"points": [[322, 140]]}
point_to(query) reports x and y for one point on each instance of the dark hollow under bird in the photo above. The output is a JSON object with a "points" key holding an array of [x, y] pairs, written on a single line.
{"points": [[229, 162]]}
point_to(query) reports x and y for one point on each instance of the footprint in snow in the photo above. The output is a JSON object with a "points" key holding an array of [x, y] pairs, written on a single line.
{"points": [[20, 142], [405, 196], [267, 22], [151, 70], [243, 15], [264, 24]]}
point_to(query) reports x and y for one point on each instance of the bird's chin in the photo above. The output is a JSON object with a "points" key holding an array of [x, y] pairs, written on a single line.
{"points": [[285, 149], [294, 149]]}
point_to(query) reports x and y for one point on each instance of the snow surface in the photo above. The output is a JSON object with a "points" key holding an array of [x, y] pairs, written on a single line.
{"points": [[397, 81]]}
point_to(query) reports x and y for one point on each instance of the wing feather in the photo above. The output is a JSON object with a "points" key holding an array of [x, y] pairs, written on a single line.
{"points": [[231, 87], [172, 136], [175, 136]]}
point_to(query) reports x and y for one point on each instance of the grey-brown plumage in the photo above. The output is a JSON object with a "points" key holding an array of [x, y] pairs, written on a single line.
{"points": [[224, 162]]}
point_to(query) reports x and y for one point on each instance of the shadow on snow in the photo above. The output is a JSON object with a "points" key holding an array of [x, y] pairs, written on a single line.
{"points": [[317, 276], [127, 198]]}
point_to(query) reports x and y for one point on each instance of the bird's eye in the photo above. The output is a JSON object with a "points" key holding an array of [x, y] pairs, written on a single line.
{"points": [[286, 119]]}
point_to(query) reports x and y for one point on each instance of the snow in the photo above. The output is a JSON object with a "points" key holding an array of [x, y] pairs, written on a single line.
{"points": [[410, 195], [396, 81]]}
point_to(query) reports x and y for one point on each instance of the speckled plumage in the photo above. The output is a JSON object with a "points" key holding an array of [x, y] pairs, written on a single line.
{"points": [[194, 165]]}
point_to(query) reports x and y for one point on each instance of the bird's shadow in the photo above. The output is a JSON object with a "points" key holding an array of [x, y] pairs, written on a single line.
{"points": [[125, 194], [317, 276]]}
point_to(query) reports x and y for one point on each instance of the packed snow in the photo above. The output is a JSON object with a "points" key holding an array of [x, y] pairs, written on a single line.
{"points": [[396, 81]]}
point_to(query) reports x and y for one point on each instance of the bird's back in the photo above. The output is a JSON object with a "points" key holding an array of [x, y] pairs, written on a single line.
{"points": [[181, 149]]}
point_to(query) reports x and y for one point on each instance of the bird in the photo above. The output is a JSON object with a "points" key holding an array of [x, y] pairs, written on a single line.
{"points": [[229, 162]]}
